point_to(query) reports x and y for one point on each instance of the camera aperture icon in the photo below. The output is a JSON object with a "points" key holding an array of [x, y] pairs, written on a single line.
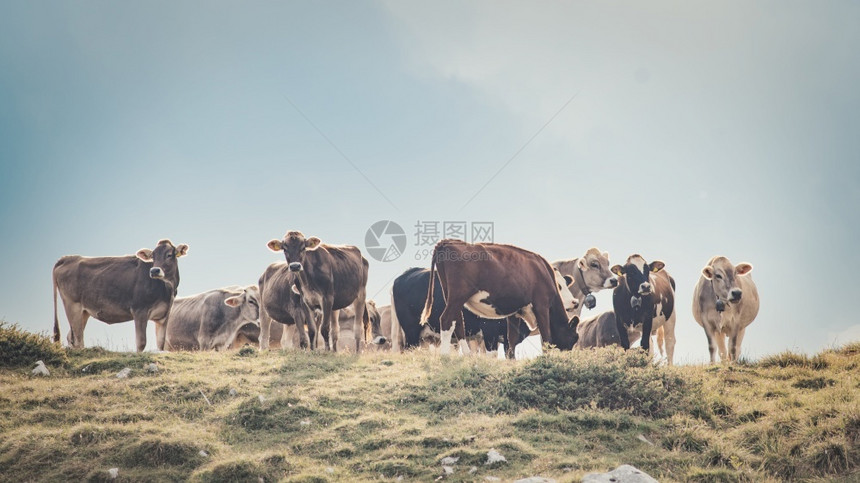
{"points": [[385, 241]]}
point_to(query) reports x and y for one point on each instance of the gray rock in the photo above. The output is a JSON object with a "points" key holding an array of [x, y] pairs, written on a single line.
{"points": [[40, 369], [113, 472], [494, 456], [233, 392], [450, 460], [449, 470], [123, 373], [152, 367], [622, 474]]}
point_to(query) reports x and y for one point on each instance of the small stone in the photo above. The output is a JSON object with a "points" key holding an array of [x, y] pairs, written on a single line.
{"points": [[535, 479], [329, 470], [622, 474], [450, 460], [152, 367], [40, 369], [123, 373], [494, 456], [449, 470], [305, 422], [203, 453], [113, 472], [642, 438], [233, 392], [473, 470], [261, 399]]}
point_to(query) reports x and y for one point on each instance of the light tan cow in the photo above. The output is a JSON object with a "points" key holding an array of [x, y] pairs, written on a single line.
{"points": [[590, 273], [725, 302]]}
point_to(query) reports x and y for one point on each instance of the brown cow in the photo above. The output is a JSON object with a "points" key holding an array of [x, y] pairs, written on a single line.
{"points": [[498, 281], [336, 274], [211, 320], [725, 302], [138, 287], [590, 273], [282, 302]]}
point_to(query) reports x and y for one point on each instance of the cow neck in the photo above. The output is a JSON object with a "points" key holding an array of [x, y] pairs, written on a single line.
{"points": [[583, 287]]}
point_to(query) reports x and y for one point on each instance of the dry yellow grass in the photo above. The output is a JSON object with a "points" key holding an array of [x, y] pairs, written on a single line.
{"points": [[298, 416]]}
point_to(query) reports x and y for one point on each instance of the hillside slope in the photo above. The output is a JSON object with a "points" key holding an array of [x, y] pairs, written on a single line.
{"points": [[299, 416]]}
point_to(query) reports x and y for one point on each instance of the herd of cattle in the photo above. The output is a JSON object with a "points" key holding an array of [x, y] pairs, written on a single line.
{"points": [[320, 287]]}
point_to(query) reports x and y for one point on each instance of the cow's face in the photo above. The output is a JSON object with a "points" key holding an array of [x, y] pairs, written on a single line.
{"points": [[294, 245], [248, 302], [594, 267], [635, 276], [562, 284], [724, 277], [163, 259]]}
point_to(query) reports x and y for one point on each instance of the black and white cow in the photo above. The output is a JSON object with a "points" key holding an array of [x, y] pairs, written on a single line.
{"points": [[644, 301]]}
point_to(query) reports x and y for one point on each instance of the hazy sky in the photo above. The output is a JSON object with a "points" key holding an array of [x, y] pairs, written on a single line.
{"points": [[694, 129]]}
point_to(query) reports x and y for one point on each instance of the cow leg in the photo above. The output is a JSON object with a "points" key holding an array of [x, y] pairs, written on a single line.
{"points": [[447, 323], [736, 344], [623, 338], [325, 326], [721, 345], [669, 338], [645, 341], [140, 332], [161, 333], [460, 329], [334, 325], [265, 330], [513, 335], [358, 322], [712, 346], [301, 333], [77, 317]]}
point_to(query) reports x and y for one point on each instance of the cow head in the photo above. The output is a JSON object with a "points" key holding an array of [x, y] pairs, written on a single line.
{"points": [[163, 260], [594, 267], [562, 284], [724, 278], [635, 276], [294, 245], [248, 302]]}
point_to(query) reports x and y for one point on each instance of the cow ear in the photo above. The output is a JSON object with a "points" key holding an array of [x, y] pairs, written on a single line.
{"points": [[144, 254], [743, 268], [582, 264], [708, 272], [181, 250], [568, 280], [295, 289], [312, 243], [574, 321], [234, 301], [656, 266], [617, 270], [275, 245]]}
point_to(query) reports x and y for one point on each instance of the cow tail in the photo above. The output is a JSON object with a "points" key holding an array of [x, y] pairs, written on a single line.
{"points": [[428, 305], [56, 320]]}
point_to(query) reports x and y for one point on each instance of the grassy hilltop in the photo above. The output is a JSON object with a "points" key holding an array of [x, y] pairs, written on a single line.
{"points": [[298, 416]]}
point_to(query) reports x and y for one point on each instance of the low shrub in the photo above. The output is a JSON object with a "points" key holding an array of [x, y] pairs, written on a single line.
{"points": [[19, 348]]}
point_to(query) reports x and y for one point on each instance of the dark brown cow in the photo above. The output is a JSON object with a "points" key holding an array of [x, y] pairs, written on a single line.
{"points": [[497, 281], [644, 301], [282, 302], [336, 274], [137, 287]]}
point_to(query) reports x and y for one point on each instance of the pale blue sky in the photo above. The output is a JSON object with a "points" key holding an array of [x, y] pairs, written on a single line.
{"points": [[728, 128]]}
